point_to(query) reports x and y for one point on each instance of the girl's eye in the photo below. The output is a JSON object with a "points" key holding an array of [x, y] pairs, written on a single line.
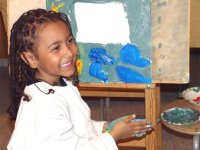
{"points": [[56, 48], [70, 40]]}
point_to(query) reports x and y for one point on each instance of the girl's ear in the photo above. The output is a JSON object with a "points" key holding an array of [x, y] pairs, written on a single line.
{"points": [[29, 59]]}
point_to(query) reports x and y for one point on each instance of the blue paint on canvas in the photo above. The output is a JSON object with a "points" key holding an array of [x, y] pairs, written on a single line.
{"points": [[100, 55], [128, 75], [130, 54], [96, 71]]}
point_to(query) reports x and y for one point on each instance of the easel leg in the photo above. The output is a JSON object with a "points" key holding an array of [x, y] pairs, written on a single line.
{"points": [[102, 108], [196, 142], [152, 113], [108, 109]]}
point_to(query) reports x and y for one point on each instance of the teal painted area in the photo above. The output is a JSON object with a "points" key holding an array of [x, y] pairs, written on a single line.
{"points": [[139, 19]]}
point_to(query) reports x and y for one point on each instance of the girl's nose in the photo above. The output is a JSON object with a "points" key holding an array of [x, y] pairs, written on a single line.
{"points": [[68, 51]]}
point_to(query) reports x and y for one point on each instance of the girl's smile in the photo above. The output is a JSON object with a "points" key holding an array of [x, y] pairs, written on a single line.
{"points": [[56, 52], [67, 65]]}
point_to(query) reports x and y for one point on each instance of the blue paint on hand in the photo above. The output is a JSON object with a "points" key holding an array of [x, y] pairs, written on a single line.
{"points": [[96, 71], [101, 56], [128, 75], [130, 54]]}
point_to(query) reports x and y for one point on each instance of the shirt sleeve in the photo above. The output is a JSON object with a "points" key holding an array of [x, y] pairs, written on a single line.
{"points": [[98, 125]]}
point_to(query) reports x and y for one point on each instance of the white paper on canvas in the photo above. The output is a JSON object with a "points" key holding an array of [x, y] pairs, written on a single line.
{"points": [[101, 23]]}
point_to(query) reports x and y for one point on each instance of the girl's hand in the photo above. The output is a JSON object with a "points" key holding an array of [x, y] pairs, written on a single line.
{"points": [[129, 128]]}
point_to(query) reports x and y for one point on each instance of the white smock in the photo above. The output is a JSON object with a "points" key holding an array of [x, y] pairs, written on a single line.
{"points": [[57, 121]]}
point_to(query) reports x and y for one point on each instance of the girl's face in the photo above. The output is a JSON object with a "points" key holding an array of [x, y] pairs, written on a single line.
{"points": [[56, 53]]}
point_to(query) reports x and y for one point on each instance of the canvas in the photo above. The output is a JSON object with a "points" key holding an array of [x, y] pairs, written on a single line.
{"points": [[113, 36]]}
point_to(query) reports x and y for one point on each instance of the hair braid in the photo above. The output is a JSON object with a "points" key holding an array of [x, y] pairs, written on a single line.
{"points": [[24, 35]]}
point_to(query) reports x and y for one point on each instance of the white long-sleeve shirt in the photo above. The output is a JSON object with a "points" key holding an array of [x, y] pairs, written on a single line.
{"points": [[57, 121]]}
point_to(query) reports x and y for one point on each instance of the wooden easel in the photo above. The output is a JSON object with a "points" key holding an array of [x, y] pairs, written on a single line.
{"points": [[151, 95]]}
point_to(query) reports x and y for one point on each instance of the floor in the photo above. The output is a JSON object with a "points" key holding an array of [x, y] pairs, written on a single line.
{"points": [[169, 93]]}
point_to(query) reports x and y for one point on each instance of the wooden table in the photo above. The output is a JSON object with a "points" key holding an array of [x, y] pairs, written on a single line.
{"points": [[192, 130], [150, 93]]}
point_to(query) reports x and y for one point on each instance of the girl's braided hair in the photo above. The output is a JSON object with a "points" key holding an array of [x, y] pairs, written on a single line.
{"points": [[24, 35]]}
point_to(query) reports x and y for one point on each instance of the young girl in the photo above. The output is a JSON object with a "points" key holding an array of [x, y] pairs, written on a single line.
{"points": [[50, 113]]}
